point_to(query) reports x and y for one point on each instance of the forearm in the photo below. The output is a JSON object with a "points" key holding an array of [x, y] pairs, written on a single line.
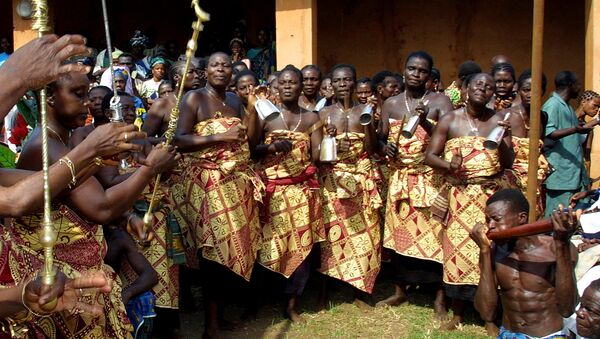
{"points": [[188, 143], [561, 133], [254, 130], [507, 154], [436, 162], [565, 279], [13, 89], [10, 301], [371, 138], [486, 297], [144, 282]]}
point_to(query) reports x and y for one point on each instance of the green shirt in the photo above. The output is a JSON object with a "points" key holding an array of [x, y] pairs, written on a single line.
{"points": [[566, 154]]}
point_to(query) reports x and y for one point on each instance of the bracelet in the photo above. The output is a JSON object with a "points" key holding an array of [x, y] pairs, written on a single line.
{"points": [[25, 304], [65, 160]]}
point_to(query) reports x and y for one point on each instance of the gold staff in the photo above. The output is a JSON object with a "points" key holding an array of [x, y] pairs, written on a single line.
{"points": [[192, 45], [47, 234]]}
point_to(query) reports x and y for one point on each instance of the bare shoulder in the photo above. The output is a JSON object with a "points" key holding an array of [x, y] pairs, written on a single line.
{"points": [[326, 111], [311, 117], [395, 100], [160, 106]]}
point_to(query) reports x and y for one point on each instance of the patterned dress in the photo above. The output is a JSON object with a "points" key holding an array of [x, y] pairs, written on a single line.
{"points": [[292, 211], [351, 203], [409, 228], [80, 247], [463, 197], [216, 201], [520, 168]]}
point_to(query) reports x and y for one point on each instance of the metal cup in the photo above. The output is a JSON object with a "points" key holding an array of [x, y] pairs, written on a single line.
{"points": [[411, 126], [494, 138], [320, 104], [328, 151], [367, 115], [117, 109], [266, 109]]}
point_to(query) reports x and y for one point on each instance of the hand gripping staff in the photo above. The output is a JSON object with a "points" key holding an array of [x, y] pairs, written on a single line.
{"points": [[192, 45]]}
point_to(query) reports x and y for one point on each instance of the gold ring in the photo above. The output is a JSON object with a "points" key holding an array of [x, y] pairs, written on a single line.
{"points": [[125, 137]]}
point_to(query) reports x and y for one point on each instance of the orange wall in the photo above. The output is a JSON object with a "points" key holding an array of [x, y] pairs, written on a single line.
{"points": [[376, 35]]}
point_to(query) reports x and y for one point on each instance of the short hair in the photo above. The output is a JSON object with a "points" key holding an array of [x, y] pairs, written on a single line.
{"points": [[177, 69], [97, 88], [126, 54], [527, 75], [106, 99], [342, 66], [239, 63], [594, 285], [504, 67], [470, 78], [565, 79], [400, 78], [315, 67], [513, 197], [244, 73], [166, 82], [467, 68], [379, 78], [435, 74], [420, 55], [293, 69], [366, 80]]}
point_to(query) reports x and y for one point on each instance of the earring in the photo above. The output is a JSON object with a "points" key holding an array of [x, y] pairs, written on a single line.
{"points": [[467, 97]]}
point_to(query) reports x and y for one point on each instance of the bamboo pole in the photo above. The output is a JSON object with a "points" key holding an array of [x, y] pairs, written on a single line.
{"points": [[536, 104]]}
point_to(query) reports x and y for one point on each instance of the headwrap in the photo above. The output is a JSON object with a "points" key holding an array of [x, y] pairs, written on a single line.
{"points": [[106, 79], [156, 61], [139, 39]]}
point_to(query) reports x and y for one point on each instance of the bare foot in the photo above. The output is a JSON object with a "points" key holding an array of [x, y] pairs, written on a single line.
{"points": [[440, 311], [362, 305], [491, 329], [295, 317], [451, 325], [394, 300]]}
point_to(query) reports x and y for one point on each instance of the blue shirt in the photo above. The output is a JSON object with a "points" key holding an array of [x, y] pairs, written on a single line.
{"points": [[565, 155]]}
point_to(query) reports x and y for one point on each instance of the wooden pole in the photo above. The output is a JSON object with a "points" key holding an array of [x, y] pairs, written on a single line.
{"points": [[536, 104]]}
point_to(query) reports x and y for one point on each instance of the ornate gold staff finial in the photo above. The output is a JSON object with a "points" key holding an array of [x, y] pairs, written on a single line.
{"points": [[47, 234], [192, 46]]}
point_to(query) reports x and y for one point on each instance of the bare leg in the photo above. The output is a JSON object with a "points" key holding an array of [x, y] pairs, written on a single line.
{"points": [[458, 306], [491, 329], [396, 299], [290, 310], [439, 306], [211, 318]]}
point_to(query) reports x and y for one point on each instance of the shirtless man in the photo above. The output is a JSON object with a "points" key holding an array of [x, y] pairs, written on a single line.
{"points": [[534, 273], [413, 235], [159, 114]]}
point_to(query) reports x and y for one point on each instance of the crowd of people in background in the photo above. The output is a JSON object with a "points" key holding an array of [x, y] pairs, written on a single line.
{"points": [[249, 203]]}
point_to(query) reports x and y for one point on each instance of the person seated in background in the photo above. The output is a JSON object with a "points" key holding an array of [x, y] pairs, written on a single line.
{"points": [[588, 315], [532, 274], [149, 89]]}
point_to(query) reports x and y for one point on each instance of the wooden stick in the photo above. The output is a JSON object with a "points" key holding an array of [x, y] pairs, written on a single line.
{"points": [[536, 103], [538, 227]]}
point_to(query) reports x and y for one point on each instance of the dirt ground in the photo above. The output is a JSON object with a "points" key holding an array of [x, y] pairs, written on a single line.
{"points": [[340, 320]]}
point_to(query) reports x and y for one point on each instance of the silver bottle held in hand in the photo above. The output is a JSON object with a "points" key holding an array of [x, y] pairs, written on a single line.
{"points": [[320, 104], [366, 116], [411, 124], [495, 137], [266, 109], [328, 148]]}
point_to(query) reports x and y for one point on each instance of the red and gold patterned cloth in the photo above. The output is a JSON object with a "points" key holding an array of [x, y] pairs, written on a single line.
{"points": [[518, 172], [467, 192], [409, 228], [80, 247], [351, 203], [292, 210], [216, 200]]}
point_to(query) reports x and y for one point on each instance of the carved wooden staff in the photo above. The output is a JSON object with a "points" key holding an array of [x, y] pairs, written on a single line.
{"points": [[192, 46], [47, 234]]}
